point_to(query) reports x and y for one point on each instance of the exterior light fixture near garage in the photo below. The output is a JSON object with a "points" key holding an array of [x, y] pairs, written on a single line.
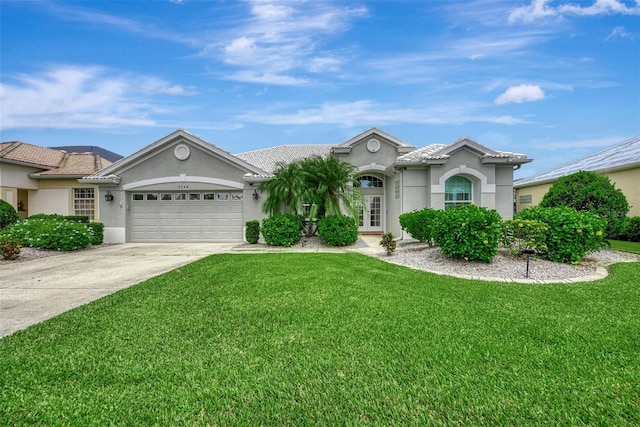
{"points": [[256, 196], [108, 197]]}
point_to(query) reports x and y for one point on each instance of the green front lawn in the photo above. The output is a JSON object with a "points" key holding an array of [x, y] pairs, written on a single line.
{"points": [[621, 245], [331, 339]]}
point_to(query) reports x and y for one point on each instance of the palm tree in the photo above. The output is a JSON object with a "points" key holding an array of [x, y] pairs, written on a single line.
{"points": [[285, 190], [330, 184]]}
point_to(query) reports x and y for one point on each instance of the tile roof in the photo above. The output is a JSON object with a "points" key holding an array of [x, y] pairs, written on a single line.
{"points": [[52, 162], [267, 159], [21, 152], [440, 151], [78, 164], [618, 156], [427, 152]]}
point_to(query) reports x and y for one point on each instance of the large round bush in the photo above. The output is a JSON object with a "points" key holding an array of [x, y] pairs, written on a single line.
{"points": [[590, 192], [570, 235], [420, 224], [469, 232], [8, 215], [338, 230], [281, 230]]}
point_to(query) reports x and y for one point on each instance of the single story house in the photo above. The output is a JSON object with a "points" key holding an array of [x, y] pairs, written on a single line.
{"points": [[621, 163], [36, 179], [182, 188]]}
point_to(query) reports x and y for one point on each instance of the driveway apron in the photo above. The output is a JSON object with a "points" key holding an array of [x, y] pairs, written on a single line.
{"points": [[37, 290]]}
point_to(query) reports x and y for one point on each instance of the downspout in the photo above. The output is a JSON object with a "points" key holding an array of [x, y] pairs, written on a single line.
{"points": [[401, 199]]}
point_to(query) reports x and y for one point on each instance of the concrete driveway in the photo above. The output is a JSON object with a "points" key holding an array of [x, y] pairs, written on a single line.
{"points": [[36, 290]]}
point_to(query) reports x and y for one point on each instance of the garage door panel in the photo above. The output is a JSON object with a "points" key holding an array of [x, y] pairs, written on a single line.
{"points": [[186, 220]]}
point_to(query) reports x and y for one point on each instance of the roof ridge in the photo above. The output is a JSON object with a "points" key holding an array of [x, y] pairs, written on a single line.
{"points": [[11, 146]]}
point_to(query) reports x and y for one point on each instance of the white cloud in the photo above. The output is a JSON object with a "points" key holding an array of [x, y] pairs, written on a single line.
{"points": [[249, 76], [282, 39], [367, 112], [542, 9], [622, 33], [519, 94], [82, 97]]}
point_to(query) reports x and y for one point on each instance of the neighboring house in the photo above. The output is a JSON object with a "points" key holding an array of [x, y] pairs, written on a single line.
{"points": [[91, 149], [621, 163], [182, 188], [36, 180]]}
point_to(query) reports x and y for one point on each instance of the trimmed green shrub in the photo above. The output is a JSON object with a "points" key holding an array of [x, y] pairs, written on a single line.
{"points": [[571, 234], [590, 192], [8, 214], [632, 229], [56, 217], [96, 230], [55, 234], [9, 249], [420, 224], [520, 234], [338, 230], [281, 230], [83, 219], [469, 232], [388, 243], [252, 232]]}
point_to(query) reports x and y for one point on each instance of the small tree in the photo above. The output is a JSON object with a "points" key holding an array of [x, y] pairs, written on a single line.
{"points": [[590, 192], [285, 190], [330, 185]]}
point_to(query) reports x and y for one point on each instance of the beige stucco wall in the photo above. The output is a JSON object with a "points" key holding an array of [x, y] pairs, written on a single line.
{"points": [[56, 196], [627, 180], [46, 196], [50, 201], [536, 192], [17, 176]]}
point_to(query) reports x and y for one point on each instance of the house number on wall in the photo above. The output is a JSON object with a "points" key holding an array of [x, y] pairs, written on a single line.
{"points": [[183, 187]]}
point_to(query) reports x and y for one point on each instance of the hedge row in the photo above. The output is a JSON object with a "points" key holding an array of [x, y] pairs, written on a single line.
{"points": [[473, 233], [55, 232]]}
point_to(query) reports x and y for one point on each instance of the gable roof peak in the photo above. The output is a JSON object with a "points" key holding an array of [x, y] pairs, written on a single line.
{"points": [[177, 134], [375, 131]]}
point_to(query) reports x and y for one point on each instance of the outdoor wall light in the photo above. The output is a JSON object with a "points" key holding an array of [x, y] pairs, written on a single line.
{"points": [[256, 196], [108, 197]]}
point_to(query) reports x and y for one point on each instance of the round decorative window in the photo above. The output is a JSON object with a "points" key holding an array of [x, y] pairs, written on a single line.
{"points": [[182, 152], [373, 145]]}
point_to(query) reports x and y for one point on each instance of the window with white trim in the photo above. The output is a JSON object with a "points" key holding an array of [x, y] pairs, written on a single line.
{"points": [[458, 191], [368, 181], [84, 202]]}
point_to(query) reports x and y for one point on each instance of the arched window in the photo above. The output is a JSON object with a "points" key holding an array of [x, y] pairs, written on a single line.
{"points": [[368, 181], [457, 192]]}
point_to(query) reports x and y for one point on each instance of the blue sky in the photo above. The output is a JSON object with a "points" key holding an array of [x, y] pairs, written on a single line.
{"points": [[556, 80]]}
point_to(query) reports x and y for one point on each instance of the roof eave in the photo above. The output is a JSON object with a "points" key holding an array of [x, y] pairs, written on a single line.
{"points": [[37, 175], [107, 180], [28, 164], [505, 160], [341, 150]]}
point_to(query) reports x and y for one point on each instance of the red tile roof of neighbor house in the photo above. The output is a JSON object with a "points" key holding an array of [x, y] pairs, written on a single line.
{"points": [[54, 163]]}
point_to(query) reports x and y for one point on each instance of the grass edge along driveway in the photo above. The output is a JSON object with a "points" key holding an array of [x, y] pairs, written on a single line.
{"points": [[326, 339]]}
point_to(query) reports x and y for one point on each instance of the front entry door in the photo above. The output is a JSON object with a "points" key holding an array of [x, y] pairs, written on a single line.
{"points": [[370, 218]]}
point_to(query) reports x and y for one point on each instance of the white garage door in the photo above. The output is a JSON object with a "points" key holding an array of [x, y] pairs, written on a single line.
{"points": [[186, 217]]}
